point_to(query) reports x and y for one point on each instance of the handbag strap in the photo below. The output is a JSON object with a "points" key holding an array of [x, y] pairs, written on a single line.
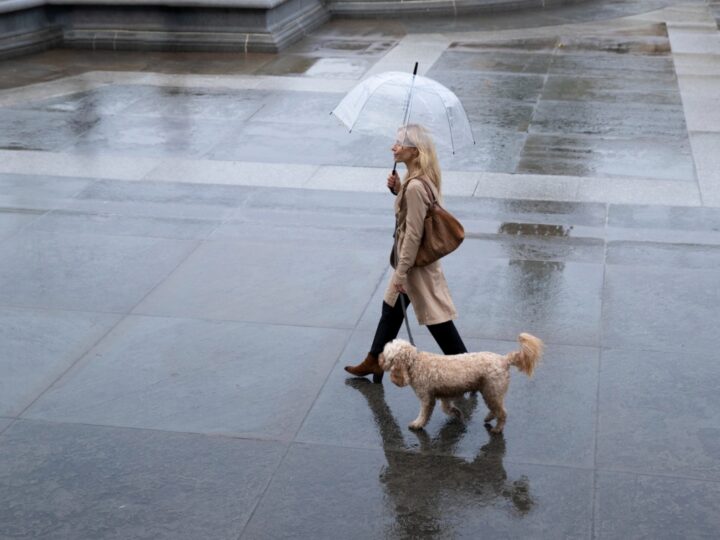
{"points": [[433, 200]]}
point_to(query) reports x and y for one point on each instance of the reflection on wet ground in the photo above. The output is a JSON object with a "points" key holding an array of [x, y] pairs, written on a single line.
{"points": [[425, 480]]}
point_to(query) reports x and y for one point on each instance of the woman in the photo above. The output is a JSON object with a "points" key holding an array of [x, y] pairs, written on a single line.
{"points": [[424, 286]]}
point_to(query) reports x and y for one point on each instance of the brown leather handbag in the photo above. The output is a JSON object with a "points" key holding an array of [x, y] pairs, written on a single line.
{"points": [[442, 233]]}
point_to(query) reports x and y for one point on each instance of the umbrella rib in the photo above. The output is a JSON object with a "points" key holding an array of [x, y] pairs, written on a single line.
{"points": [[472, 135], [365, 104], [452, 139]]}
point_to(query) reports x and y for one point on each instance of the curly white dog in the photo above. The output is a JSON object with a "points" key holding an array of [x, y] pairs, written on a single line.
{"points": [[435, 376]]}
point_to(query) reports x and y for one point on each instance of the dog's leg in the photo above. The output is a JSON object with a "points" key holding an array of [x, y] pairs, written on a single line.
{"points": [[427, 404], [449, 408], [499, 412], [489, 402]]}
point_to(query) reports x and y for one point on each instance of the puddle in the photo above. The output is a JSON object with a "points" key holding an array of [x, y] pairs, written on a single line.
{"points": [[288, 65]]}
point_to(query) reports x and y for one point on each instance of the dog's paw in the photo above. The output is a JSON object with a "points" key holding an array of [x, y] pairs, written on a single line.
{"points": [[415, 426], [496, 429]]}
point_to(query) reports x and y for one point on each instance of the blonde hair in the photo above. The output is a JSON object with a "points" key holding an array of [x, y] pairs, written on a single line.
{"points": [[427, 161]]}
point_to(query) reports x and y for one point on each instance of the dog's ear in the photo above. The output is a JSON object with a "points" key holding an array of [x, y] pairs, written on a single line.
{"points": [[399, 376], [403, 357]]}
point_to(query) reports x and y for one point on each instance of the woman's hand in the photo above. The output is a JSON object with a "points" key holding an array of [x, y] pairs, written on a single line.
{"points": [[393, 182], [399, 285]]}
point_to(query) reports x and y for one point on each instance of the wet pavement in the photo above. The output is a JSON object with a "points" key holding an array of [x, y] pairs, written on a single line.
{"points": [[191, 250]]}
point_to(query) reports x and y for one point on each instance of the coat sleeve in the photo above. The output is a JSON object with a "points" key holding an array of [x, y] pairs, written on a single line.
{"points": [[417, 202]]}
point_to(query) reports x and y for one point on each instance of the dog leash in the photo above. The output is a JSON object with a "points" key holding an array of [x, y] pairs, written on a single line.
{"points": [[407, 324]]}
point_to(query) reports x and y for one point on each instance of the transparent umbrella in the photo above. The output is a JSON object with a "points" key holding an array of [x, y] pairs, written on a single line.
{"points": [[383, 103]]}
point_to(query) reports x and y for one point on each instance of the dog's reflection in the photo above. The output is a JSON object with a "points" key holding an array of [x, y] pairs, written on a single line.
{"points": [[424, 485]]}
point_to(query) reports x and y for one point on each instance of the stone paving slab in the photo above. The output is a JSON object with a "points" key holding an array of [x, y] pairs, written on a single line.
{"points": [[220, 282], [624, 509], [555, 154], [197, 103], [12, 221], [32, 130], [38, 192], [701, 101], [705, 40], [697, 64], [86, 272], [232, 172], [39, 346], [642, 428], [109, 224], [574, 88], [74, 165], [707, 162], [637, 191], [85, 482], [130, 135], [191, 375], [309, 144], [661, 225], [644, 302], [107, 99]]}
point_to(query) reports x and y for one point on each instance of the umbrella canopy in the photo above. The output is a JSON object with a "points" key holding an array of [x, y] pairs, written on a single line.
{"points": [[383, 103]]}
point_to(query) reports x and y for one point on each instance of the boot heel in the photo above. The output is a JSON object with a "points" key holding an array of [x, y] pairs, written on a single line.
{"points": [[377, 377]]}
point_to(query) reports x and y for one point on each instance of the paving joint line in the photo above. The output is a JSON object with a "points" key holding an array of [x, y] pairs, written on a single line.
{"points": [[593, 520]]}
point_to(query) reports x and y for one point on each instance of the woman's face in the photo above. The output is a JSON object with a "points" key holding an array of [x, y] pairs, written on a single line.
{"points": [[403, 154]]}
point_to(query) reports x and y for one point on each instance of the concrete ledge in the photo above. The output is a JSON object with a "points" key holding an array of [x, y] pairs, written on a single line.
{"points": [[9, 6], [205, 25], [166, 28], [24, 28], [29, 42], [233, 4], [399, 8], [188, 25]]}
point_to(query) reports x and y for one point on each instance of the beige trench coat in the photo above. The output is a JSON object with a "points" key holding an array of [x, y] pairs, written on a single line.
{"points": [[425, 285]]}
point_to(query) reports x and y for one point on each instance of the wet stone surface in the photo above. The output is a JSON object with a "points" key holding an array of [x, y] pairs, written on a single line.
{"points": [[243, 329], [173, 352], [589, 103], [87, 482], [562, 104], [661, 158]]}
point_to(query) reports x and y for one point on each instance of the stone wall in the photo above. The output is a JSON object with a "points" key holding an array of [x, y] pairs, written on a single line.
{"points": [[25, 28], [217, 25]]}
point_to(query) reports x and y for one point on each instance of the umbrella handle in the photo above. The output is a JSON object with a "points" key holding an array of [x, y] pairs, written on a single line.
{"points": [[394, 171]]}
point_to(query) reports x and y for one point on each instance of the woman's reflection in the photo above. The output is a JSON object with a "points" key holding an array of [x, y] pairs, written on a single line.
{"points": [[422, 485]]}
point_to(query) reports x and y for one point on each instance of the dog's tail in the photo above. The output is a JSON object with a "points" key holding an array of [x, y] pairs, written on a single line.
{"points": [[531, 349]]}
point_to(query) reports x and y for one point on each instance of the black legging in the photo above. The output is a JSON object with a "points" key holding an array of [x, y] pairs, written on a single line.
{"points": [[391, 320]]}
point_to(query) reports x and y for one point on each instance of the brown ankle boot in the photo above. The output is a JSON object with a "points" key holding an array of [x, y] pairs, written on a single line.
{"points": [[366, 367]]}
